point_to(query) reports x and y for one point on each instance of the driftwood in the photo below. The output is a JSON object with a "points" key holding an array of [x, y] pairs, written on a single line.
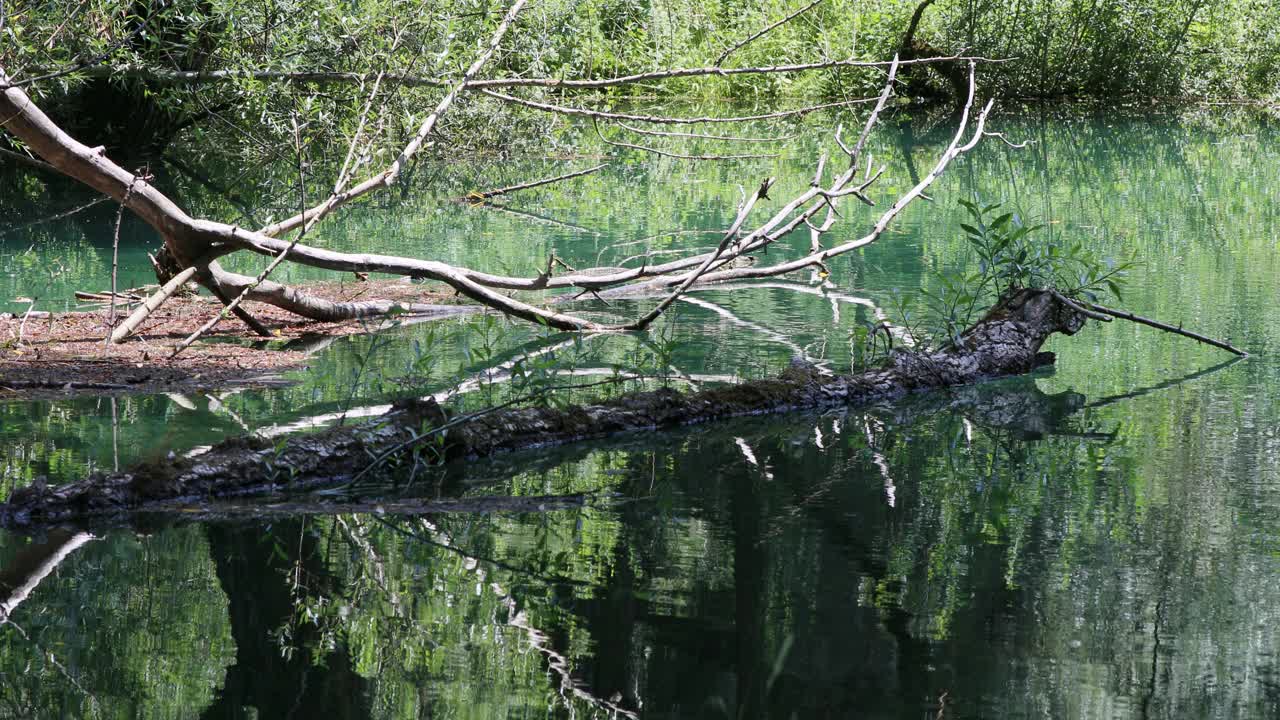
{"points": [[1005, 342]]}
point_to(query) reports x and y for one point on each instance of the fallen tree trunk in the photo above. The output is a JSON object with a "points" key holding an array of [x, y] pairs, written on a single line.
{"points": [[1006, 341]]}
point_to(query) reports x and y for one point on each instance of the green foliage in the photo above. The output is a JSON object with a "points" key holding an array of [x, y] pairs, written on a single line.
{"points": [[869, 344], [1059, 48], [1008, 254], [1008, 258]]}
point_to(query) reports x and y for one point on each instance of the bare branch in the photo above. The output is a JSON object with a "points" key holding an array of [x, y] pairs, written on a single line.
{"points": [[730, 236], [1126, 315], [756, 36], [678, 156], [1007, 141], [166, 291], [761, 239], [702, 136], [481, 196], [656, 119], [392, 173]]}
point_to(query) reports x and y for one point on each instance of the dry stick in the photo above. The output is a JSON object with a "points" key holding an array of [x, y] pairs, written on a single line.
{"points": [[27, 160], [954, 150], [22, 327], [534, 217], [20, 116], [767, 234], [730, 235], [755, 240], [1126, 315], [153, 301], [234, 304], [660, 120], [389, 175], [677, 156], [351, 149], [234, 308], [386, 177], [1080, 308], [53, 218], [724, 55], [478, 196], [115, 261], [702, 136]]}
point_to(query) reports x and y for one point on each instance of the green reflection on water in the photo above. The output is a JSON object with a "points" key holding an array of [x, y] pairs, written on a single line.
{"points": [[1059, 555]]}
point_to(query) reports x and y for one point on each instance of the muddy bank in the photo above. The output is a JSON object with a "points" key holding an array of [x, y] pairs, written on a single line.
{"points": [[55, 355], [1005, 342]]}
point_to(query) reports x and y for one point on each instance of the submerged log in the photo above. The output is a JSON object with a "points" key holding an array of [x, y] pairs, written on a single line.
{"points": [[1005, 342]]}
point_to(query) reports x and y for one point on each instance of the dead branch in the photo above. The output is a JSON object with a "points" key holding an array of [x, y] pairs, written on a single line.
{"points": [[535, 217], [730, 235], [703, 136], [1126, 315], [22, 328], [677, 156], [27, 160], [660, 120], [481, 196], [957, 147], [275, 262], [53, 218], [115, 259], [389, 175], [757, 35], [154, 301]]}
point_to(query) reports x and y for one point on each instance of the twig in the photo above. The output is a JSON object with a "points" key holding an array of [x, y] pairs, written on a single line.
{"points": [[1016, 146], [480, 196], [677, 156], [730, 235], [22, 327], [660, 120], [702, 136], [1080, 308], [53, 218], [27, 160], [115, 259], [302, 190], [1126, 315], [389, 175], [756, 36]]}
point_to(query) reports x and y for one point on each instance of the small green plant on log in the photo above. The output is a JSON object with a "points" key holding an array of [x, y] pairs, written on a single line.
{"points": [[1010, 255], [869, 344]]}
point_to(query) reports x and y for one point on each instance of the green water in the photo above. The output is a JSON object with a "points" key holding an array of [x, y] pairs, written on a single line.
{"points": [[1102, 540]]}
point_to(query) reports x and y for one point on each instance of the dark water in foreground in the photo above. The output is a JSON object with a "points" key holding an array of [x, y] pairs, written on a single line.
{"points": [[1098, 541]]}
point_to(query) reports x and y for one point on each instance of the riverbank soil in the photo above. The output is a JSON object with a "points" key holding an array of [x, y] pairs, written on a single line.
{"points": [[65, 353]]}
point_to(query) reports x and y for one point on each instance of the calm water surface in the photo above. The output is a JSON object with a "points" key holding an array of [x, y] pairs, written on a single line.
{"points": [[1099, 540]]}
